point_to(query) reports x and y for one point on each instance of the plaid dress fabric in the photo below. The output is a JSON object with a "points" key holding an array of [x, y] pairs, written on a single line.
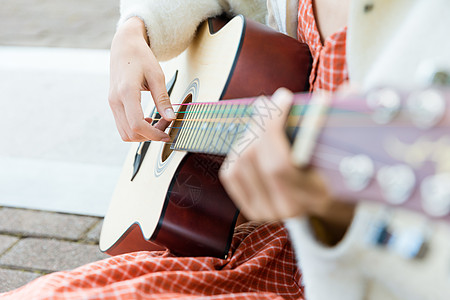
{"points": [[261, 263], [329, 69]]}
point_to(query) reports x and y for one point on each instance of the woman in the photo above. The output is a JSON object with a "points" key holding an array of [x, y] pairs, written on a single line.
{"points": [[261, 263]]}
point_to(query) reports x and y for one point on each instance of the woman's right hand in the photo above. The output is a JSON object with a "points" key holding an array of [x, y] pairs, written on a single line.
{"points": [[134, 68]]}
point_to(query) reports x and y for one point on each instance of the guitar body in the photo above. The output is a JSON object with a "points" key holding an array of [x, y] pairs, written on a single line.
{"points": [[175, 199]]}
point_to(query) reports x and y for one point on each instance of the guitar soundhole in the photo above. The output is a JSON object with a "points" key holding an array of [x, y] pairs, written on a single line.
{"points": [[176, 125]]}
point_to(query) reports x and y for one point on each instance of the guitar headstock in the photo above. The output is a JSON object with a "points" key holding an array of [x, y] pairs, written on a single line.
{"points": [[386, 145]]}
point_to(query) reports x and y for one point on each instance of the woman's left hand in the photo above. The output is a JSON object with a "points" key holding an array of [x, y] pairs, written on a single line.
{"points": [[263, 181]]}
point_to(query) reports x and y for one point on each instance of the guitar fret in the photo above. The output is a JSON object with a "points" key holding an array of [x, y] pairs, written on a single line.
{"points": [[231, 128], [206, 145], [228, 122], [201, 126], [241, 124], [212, 128], [192, 131], [228, 134], [187, 129], [221, 125], [210, 122], [181, 133]]}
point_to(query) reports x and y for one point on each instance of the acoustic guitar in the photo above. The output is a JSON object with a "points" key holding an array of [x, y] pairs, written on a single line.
{"points": [[169, 195], [387, 146]]}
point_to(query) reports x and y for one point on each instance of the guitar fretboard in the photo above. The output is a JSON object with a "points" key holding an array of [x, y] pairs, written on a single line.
{"points": [[214, 128]]}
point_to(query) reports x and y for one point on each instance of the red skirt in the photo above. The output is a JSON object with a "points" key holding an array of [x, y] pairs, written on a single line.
{"points": [[260, 265]]}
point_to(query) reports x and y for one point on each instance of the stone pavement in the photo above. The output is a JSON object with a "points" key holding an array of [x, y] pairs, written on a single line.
{"points": [[35, 243]]}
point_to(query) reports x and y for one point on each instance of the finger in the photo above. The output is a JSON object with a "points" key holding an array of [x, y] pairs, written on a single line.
{"points": [[137, 123], [122, 124], [159, 93], [230, 179], [283, 99], [258, 202], [243, 182], [162, 124]]}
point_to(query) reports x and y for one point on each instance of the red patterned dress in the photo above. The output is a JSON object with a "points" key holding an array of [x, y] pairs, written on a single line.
{"points": [[329, 68], [260, 265]]}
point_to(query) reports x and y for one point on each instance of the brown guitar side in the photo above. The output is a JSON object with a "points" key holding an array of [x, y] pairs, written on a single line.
{"points": [[198, 217]]}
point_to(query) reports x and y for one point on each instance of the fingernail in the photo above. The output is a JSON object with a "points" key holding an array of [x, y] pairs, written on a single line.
{"points": [[165, 140], [169, 113], [282, 93]]}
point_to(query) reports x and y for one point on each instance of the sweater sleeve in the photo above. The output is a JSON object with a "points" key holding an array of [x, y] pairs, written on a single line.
{"points": [[171, 24]]}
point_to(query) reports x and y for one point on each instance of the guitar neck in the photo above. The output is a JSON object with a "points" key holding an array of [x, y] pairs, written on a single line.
{"points": [[213, 128], [397, 161], [396, 152]]}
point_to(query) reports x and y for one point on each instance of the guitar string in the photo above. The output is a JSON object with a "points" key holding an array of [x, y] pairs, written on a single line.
{"points": [[247, 101], [333, 108], [243, 104], [291, 115]]}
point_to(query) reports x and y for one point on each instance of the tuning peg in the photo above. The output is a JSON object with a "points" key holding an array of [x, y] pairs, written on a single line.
{"points": [[379, 233], [385, 104], [396, 183], [426, 108], [410, 243], [435, 192], [357, 171], [441, 77]]}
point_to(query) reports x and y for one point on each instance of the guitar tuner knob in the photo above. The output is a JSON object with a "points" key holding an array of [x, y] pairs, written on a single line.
{"points": [[441, 77], [396, 182], [379, 234], [435, 192], [426, 108], [409, 243], [357, 171], [385, 104]]}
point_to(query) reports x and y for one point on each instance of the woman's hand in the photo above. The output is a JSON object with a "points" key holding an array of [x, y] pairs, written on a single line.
{"points": [[263, 181], [134, 68]]}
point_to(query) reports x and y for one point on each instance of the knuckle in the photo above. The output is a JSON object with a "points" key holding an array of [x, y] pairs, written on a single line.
{"points": [[230, 175], [276, 170], [114, 101], [124, 90], [225, 175], [159, 77], [134, 137], [163, 99], [136, 127], [125, 138]]}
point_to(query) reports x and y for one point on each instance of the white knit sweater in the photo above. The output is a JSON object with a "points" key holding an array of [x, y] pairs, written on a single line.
{"points": [[171, 24]]}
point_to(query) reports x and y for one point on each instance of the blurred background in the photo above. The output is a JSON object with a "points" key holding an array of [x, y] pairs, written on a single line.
{"points": [[59, 149]]}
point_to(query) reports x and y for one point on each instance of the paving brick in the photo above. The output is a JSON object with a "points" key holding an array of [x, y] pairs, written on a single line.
{"points": [[6, 242], [44, 224], [94, 234], [12, 279], [50, 255]]}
